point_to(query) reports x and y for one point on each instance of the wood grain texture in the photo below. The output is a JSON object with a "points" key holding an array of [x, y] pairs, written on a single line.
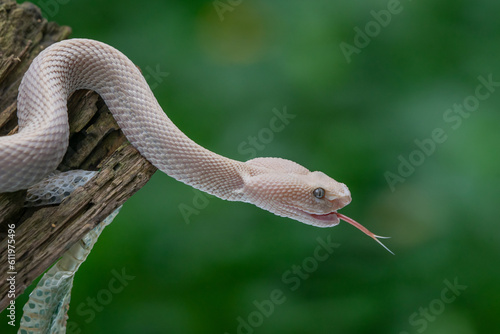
{"points": [[43, 234]]}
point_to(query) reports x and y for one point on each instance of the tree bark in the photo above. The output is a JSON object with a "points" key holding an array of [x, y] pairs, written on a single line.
{"points": [[43, 234]]}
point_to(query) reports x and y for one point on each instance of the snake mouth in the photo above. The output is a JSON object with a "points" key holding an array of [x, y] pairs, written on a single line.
{"points": [[327, 219], [320, 220]]}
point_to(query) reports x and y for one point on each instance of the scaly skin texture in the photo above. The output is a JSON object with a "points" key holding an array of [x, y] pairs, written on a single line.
{"points": [[277, 185]]}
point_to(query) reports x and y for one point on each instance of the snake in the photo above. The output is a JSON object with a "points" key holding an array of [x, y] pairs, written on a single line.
{"points": [[277, 185]]}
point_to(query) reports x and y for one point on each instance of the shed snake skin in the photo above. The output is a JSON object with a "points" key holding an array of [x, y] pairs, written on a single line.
{"points": [[280, 186]]}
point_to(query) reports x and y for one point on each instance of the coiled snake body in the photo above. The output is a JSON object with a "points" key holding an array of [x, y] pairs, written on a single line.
{"points": [[280, 186]]}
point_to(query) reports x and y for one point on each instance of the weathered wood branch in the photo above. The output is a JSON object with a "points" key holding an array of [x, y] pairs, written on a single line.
{"points": [[96, 143]]}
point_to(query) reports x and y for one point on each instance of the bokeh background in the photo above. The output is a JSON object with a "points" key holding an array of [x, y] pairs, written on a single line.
{"points": [[221, 68]]}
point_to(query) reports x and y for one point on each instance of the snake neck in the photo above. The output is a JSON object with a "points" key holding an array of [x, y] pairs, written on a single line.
{"points": [[99, 67], [85, 64], [203, 170]]}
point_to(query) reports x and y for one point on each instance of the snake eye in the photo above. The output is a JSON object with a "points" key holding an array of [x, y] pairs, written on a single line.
{"points": [[319, 193]]}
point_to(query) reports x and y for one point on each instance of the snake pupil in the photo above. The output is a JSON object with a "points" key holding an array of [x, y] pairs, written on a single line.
{"points": [[319, 192]]}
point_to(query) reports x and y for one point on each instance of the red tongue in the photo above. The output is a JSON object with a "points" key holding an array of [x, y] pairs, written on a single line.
{"points": [[363, 229]]}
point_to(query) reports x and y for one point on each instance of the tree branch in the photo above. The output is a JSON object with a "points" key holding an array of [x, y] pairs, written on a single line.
{"points": [[43, 234]]}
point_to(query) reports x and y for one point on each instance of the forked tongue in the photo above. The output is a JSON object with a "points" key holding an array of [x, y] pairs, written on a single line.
{"points": [[363, 229]]}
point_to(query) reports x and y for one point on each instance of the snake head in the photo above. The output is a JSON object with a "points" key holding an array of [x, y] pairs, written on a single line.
{"points": [[288, 189]]}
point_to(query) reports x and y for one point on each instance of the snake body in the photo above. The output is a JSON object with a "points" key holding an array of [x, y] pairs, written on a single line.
{"points": [[280, 186]]}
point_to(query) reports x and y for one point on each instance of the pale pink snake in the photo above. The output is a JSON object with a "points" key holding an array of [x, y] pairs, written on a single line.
{"points": [[277, 185]]}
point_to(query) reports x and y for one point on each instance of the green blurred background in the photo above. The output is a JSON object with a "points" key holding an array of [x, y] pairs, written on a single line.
{"points": [[228, 68]]}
